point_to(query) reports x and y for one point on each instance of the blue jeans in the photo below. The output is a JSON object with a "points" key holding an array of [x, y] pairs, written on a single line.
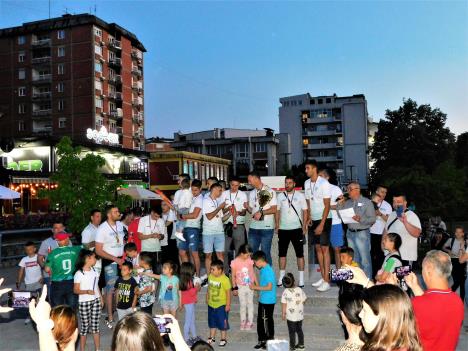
{"points": [[62, 294], [189, 324], [260, 239], [360, 243]]}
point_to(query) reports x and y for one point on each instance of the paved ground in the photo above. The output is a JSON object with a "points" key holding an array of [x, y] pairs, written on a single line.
{"points": [[322, 327]]}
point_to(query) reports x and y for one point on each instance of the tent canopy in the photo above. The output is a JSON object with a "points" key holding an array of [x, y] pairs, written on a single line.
{"points": [[8, 194], [138, 193]]}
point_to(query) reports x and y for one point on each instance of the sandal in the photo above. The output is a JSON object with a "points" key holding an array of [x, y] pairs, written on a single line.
{"points": [[222, 343], [211, 340]]}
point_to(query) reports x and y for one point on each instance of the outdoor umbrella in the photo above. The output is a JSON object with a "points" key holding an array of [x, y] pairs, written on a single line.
{"points": [[8, 194], [138, 193]]}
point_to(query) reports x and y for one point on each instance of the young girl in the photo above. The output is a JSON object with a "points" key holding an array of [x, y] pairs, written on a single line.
{"points": [[169, 290], [188, 298], [292, 301], [89, 297], [391, 243], [242, 276]]}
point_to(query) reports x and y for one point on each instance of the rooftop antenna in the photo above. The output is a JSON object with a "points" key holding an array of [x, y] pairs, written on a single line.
{"points": [[49, 9]]}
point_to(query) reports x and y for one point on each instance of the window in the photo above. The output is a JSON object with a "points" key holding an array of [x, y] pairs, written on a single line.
{"points": [[300, 102], [21, 40], [98, 49], [312, 101], [328, 100], [21, 56], [61, 34], [320, 101], [61, 68], [61, 51], [22, 91], [97, 32], [305, 141], [21, 126], [98, 66], [21, 108], [243, 150], [260, 147], [111, 73], [99, 122], [21, 73], [98, 102], [62, 122], [98, 85], [111, 55], [61, 105], [60, 87]]}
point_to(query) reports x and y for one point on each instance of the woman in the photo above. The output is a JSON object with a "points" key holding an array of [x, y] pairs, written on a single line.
{"points": [[350, 305]]}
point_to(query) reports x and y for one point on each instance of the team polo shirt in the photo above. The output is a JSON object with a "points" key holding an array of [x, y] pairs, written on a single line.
{"points": [[237, 199], [62, 262], [215, 225], [287, 202], [316, 192], [149, 226], [197, 202], [112, 238], [268, 221]]}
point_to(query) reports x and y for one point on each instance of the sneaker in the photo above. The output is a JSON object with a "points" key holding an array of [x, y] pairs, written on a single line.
{"points": [[260, 345], [249, 326], [180, 236], [243, 325], [318, 283], [299, 347], [109, 323], [292, 348], [301, 286], [204, 283], [211, 341], [324, 287], [222, 343]]}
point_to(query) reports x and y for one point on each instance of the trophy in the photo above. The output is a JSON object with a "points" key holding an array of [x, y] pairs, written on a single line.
{"points": [[264, 197]]}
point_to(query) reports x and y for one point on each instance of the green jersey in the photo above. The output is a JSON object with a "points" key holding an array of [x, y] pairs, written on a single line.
{"points": [[62, 262]]}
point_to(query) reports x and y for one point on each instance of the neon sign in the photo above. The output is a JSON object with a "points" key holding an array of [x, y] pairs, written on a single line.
{"points": [[102, 135]]}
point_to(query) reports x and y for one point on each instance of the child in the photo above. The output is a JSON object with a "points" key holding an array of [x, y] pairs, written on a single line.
{"points": [[266, 301], [346, 257], [292, 301], [132, 255], [242, 276], [188, 298], [169, 290], [29, 269], [218, 298], [146, 285], [182, 202], [90, 300], [391, 243], [126, 289]]}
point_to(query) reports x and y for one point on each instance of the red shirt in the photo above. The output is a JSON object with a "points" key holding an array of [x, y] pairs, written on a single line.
{"points": [[439, 316], [189, 296], [133, 233]]}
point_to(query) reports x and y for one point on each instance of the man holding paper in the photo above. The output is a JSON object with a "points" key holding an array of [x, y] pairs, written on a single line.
{"points": [[359, 214]]}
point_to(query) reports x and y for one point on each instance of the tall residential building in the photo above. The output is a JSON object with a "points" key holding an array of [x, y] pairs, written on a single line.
{"points": [[74, 75], [248, 149], [330, 129]]}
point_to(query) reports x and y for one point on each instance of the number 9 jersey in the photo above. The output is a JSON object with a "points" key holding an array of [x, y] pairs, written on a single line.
{"points": [[62, 262]]}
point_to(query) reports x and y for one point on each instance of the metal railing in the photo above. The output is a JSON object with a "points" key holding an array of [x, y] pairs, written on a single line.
{"points": [[17, 233]]}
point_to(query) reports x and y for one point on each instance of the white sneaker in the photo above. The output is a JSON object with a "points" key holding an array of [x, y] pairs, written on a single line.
{"points": [[324, 287], [180, 236], [318, 283]]}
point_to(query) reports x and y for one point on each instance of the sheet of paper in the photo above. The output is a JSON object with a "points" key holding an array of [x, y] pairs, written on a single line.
{"points": [[347, 215]]}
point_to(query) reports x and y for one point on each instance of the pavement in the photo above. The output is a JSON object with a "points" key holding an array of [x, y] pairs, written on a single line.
{"points": [[322, 327]]}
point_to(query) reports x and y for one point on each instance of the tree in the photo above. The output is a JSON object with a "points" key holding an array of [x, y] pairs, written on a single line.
{"points": [[81, 186]]}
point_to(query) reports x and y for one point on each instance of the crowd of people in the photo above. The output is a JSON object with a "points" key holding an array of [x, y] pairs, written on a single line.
{"points": [[130, 263]]}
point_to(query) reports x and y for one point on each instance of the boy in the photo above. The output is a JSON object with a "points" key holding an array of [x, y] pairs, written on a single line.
{"points": [[292, 301], [218, 298], [132, 255], [126, 291], [266, 300], [145, 285], [347, 256], [29, 269]]}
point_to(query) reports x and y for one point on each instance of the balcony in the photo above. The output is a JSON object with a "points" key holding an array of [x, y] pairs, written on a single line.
{"points": [[114, 44], [138, 86], [115, 80], [319, 132], [320, 146], [138, 135], [42, 130], [116, 62], [137, 102], [137, 71], [40, 60], [326, 158], [42, 113], [42, 95], [45, 78], [138, 118], [116, 114], [41, 42], [136, 55]]}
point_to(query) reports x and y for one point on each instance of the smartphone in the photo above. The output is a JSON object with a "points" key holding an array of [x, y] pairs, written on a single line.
{"points": [[403, 271], [399, 211], [161, 323], [342, 274], [20, 299]]}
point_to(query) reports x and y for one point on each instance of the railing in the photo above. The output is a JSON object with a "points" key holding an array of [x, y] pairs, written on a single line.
{"points": [[14, 249], [42, 112], [115, 79], [40, 59], [115, 44], [42, 78], [41, 42], [43, 95], [115, 62], [46, 129], [136, 71]]}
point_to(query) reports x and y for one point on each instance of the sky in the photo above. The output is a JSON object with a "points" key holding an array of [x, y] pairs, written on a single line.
{"points": [[225, 64]]}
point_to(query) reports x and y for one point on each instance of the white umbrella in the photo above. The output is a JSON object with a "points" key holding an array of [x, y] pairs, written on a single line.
{"points": [[8, 194], [138, 193]]}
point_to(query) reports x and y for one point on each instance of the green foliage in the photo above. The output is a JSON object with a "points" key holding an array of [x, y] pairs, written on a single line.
{"points": [[81, 186]]}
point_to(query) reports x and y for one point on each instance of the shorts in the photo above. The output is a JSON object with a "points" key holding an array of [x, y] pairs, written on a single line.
{"points": [[218, 318], [33, 287], [110, 275], [121, 313], [213, 240], [324, 238], [336, 235], [192, 239], [169, 305], [296, 237]]}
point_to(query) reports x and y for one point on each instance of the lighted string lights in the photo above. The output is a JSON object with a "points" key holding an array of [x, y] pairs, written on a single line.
{"points": [[32, 187]]}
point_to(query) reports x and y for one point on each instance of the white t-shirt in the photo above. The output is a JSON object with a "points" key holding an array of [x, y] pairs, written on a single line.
{"points": [[238, 199], [214, 225], [112, 238], [183, 198], [409, 244], [294, 299], [197, 202], [88, 235], [335, 193], [32, 269], [455, 249], [170, 216], [288, 217], [88, 280], [148, 226], [379, 225], [316, 192], [268, 221]]}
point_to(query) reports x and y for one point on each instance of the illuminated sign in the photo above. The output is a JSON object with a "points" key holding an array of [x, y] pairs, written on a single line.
{"points": [[26, 165], [102, 135]]}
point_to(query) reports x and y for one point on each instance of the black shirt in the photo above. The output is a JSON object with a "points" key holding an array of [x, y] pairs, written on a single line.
{"points": [[126, 292]]}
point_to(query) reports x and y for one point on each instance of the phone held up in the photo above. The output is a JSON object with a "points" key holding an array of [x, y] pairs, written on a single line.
{"points": [[399, 211], [161, 323], [342, 274]]}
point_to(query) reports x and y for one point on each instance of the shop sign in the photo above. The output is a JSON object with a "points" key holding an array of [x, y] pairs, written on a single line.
{"points": [[102, 135], [26, 165]]}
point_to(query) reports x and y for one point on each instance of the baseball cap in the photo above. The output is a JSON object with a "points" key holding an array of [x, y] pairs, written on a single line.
{"points": [[61, 236]]}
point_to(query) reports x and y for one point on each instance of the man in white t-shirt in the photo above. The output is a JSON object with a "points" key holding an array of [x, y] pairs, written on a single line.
{"points": [[382, 211], [291, 226], [236, 203], [405, 223], [192, 228], [88, 236], [110, 247], [152, 231], [262, 225], [318, 196]]}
